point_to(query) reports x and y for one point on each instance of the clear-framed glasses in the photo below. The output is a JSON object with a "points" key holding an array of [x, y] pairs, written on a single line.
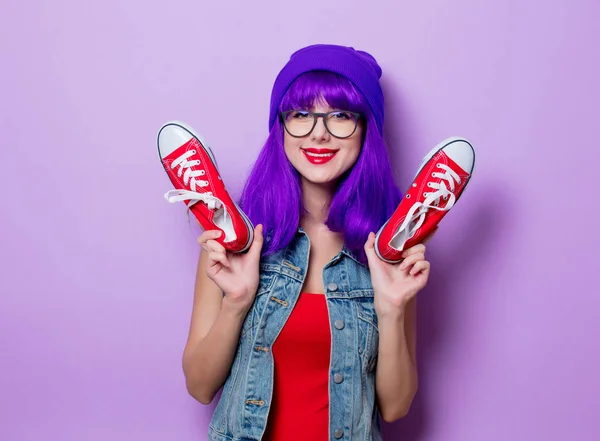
{"points": [[339, 123]]}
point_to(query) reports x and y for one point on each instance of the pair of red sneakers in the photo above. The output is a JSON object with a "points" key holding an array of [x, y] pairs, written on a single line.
{"points": [[192, 168]]}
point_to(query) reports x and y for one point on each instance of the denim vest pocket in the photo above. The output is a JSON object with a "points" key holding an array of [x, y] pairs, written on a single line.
{"points": [[265, 283]]}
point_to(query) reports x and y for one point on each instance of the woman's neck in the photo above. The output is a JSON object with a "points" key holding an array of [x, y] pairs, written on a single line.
{"points": [[317, 200]]}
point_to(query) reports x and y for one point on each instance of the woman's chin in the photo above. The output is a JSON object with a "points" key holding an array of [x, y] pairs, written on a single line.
{"points": [[325, 179]]}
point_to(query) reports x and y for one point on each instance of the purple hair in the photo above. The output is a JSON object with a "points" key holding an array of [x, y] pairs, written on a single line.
{"points": [[366, 195]]}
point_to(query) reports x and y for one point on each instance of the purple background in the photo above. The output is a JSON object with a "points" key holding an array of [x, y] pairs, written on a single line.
{"points": [[97, 269]]}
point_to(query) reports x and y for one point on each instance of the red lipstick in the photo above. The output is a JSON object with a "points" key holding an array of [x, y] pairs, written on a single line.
{"points": [[319, 156]]}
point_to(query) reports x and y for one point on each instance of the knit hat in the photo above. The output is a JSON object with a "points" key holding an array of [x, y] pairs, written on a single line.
{"points": [[359, 67]]}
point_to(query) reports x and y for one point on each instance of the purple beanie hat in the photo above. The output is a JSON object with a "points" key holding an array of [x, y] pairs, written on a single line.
{"points": [[359, 67]]}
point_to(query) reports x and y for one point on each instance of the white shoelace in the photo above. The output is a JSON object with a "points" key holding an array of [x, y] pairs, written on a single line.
{"points": [[416, 215], [190, 178]]}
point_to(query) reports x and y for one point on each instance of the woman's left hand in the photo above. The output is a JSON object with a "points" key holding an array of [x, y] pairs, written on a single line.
{"points": [[395, 285]]}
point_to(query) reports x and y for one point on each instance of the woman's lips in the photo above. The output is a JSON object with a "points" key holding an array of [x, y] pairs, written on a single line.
{"points": [[319, 156]]}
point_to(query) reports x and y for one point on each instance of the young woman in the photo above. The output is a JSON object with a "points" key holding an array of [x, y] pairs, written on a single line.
{"points": [[310, 333]]}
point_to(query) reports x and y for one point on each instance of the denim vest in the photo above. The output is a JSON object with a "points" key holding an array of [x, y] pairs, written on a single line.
{"points": [[242, 411]]}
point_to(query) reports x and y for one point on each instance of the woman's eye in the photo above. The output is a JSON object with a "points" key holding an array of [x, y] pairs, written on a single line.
{"points": [[300, 114], [342, 115]]}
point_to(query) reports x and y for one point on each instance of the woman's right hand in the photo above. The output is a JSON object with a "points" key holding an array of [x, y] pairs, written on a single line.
{"points": [[235, 273]]}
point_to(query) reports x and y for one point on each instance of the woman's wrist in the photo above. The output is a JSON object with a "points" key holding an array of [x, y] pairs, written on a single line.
{"points": [[235, 308], [391, 313]]}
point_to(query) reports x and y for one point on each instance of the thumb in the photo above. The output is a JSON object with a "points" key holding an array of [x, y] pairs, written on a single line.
{"points": [[258, 241], [370, 246]]}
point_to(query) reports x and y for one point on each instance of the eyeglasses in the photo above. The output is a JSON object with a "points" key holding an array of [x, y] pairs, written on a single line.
{"points": [[339, 123]]}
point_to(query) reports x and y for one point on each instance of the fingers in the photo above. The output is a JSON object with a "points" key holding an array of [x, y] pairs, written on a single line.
{"points": [[220, 257], [208, 235], [416, 254], [216, 251], [411, 260], [422, 266], [213, 245], [415, 263], [419, 248]]}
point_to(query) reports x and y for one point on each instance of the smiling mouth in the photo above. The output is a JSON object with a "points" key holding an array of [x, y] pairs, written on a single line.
{"points": [[319, 156]]}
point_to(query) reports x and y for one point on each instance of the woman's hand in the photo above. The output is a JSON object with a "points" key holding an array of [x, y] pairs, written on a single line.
{"points": [[235, 273], [395, 285]]}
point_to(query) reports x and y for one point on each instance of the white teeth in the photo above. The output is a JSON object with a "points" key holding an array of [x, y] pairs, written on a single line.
{"points": [[319, 155]]}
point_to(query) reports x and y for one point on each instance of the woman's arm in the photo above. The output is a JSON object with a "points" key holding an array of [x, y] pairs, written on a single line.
{"points": [[225, 288], [213, 338], [395, 287], [396, 378]]}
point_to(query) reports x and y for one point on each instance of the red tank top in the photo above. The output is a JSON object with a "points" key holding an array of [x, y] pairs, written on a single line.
{"points": [[300, 407]]}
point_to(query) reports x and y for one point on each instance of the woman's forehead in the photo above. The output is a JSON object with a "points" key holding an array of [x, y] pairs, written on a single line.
{"points": [[319, 105]]}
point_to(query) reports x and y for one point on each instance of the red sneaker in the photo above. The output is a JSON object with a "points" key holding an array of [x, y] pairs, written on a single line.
{"points": [[445, 172], [192, 168]]}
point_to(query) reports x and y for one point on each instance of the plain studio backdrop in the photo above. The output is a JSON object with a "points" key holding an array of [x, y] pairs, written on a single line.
{"points": [[97, 269]]}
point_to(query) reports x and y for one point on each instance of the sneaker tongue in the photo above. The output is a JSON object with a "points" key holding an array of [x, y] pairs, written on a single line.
{"points": [[439, 202], [211, 204]]}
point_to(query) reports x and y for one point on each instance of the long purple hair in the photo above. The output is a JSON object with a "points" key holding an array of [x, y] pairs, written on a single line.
{"points": [[366, 195]]}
